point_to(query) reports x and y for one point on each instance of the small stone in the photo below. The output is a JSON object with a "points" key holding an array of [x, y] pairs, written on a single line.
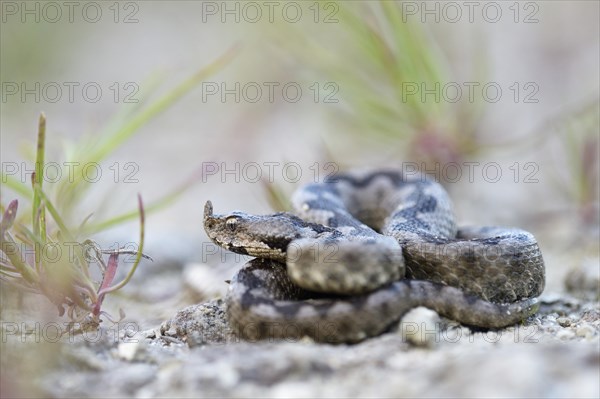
{"points": [[420, 327], [199, 324], [564, 321], [591, 315], [171, 332], [128, 350], [149, 334], [565, 335], [586, 330]]}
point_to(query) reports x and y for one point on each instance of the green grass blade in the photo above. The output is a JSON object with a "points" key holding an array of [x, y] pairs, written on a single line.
{"points": [[56, 216], [154, 206], [16, 186], [128, 216], [11, 249], [159, 106], [38, 215]]}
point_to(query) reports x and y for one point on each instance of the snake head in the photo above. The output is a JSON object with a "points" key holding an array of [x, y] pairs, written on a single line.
{"points": [[265, 236]]}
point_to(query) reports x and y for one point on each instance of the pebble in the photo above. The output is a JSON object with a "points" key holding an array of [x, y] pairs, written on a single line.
{"points": [[393, 365], [128, 350], [565, 335], [421, 327], [150, 334], [198, 325], [586, 330]]}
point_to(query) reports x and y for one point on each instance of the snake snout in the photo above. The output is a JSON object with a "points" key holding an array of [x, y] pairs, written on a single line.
{"points": [[208, 210]]}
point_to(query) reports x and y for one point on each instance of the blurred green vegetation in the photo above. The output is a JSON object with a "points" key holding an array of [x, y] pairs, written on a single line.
{"points": [[375, 56], [377, 59], [580, 141], [54, 255]]}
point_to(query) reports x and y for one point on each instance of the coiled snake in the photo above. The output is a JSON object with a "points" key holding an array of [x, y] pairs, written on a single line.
{"points": [[362, 250]]}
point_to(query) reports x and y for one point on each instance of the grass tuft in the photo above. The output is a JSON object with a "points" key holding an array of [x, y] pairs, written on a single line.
{"points": [[44, 254]]}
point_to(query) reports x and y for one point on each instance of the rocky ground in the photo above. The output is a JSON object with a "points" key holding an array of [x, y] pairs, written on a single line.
{"points": [[158, 351]]}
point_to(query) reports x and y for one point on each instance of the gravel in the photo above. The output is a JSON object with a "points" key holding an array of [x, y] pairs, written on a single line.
{"points": [[193, 353]]}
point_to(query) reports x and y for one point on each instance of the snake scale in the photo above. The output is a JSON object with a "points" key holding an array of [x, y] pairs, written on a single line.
{"points": [[361, 250]]}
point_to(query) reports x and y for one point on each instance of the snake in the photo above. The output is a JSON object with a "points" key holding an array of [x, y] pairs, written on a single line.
{"points": [[363, 248]]}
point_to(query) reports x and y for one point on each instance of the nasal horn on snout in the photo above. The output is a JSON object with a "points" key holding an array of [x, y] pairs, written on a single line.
{"points": [[208, 210]]}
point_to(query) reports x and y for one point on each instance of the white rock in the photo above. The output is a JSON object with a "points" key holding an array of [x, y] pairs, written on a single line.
{"points": [[586, 330], [128, 350], [420, 327], [565, 334]]}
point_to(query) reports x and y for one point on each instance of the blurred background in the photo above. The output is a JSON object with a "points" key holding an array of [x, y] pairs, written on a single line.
{"points": [[364, 70], [498, 101]]}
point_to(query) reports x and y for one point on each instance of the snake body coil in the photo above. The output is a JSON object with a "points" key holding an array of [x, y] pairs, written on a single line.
{"points": [[363, 249]]}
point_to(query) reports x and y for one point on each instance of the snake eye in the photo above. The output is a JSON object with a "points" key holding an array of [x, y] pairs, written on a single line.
{"points": [[231, 222]]}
